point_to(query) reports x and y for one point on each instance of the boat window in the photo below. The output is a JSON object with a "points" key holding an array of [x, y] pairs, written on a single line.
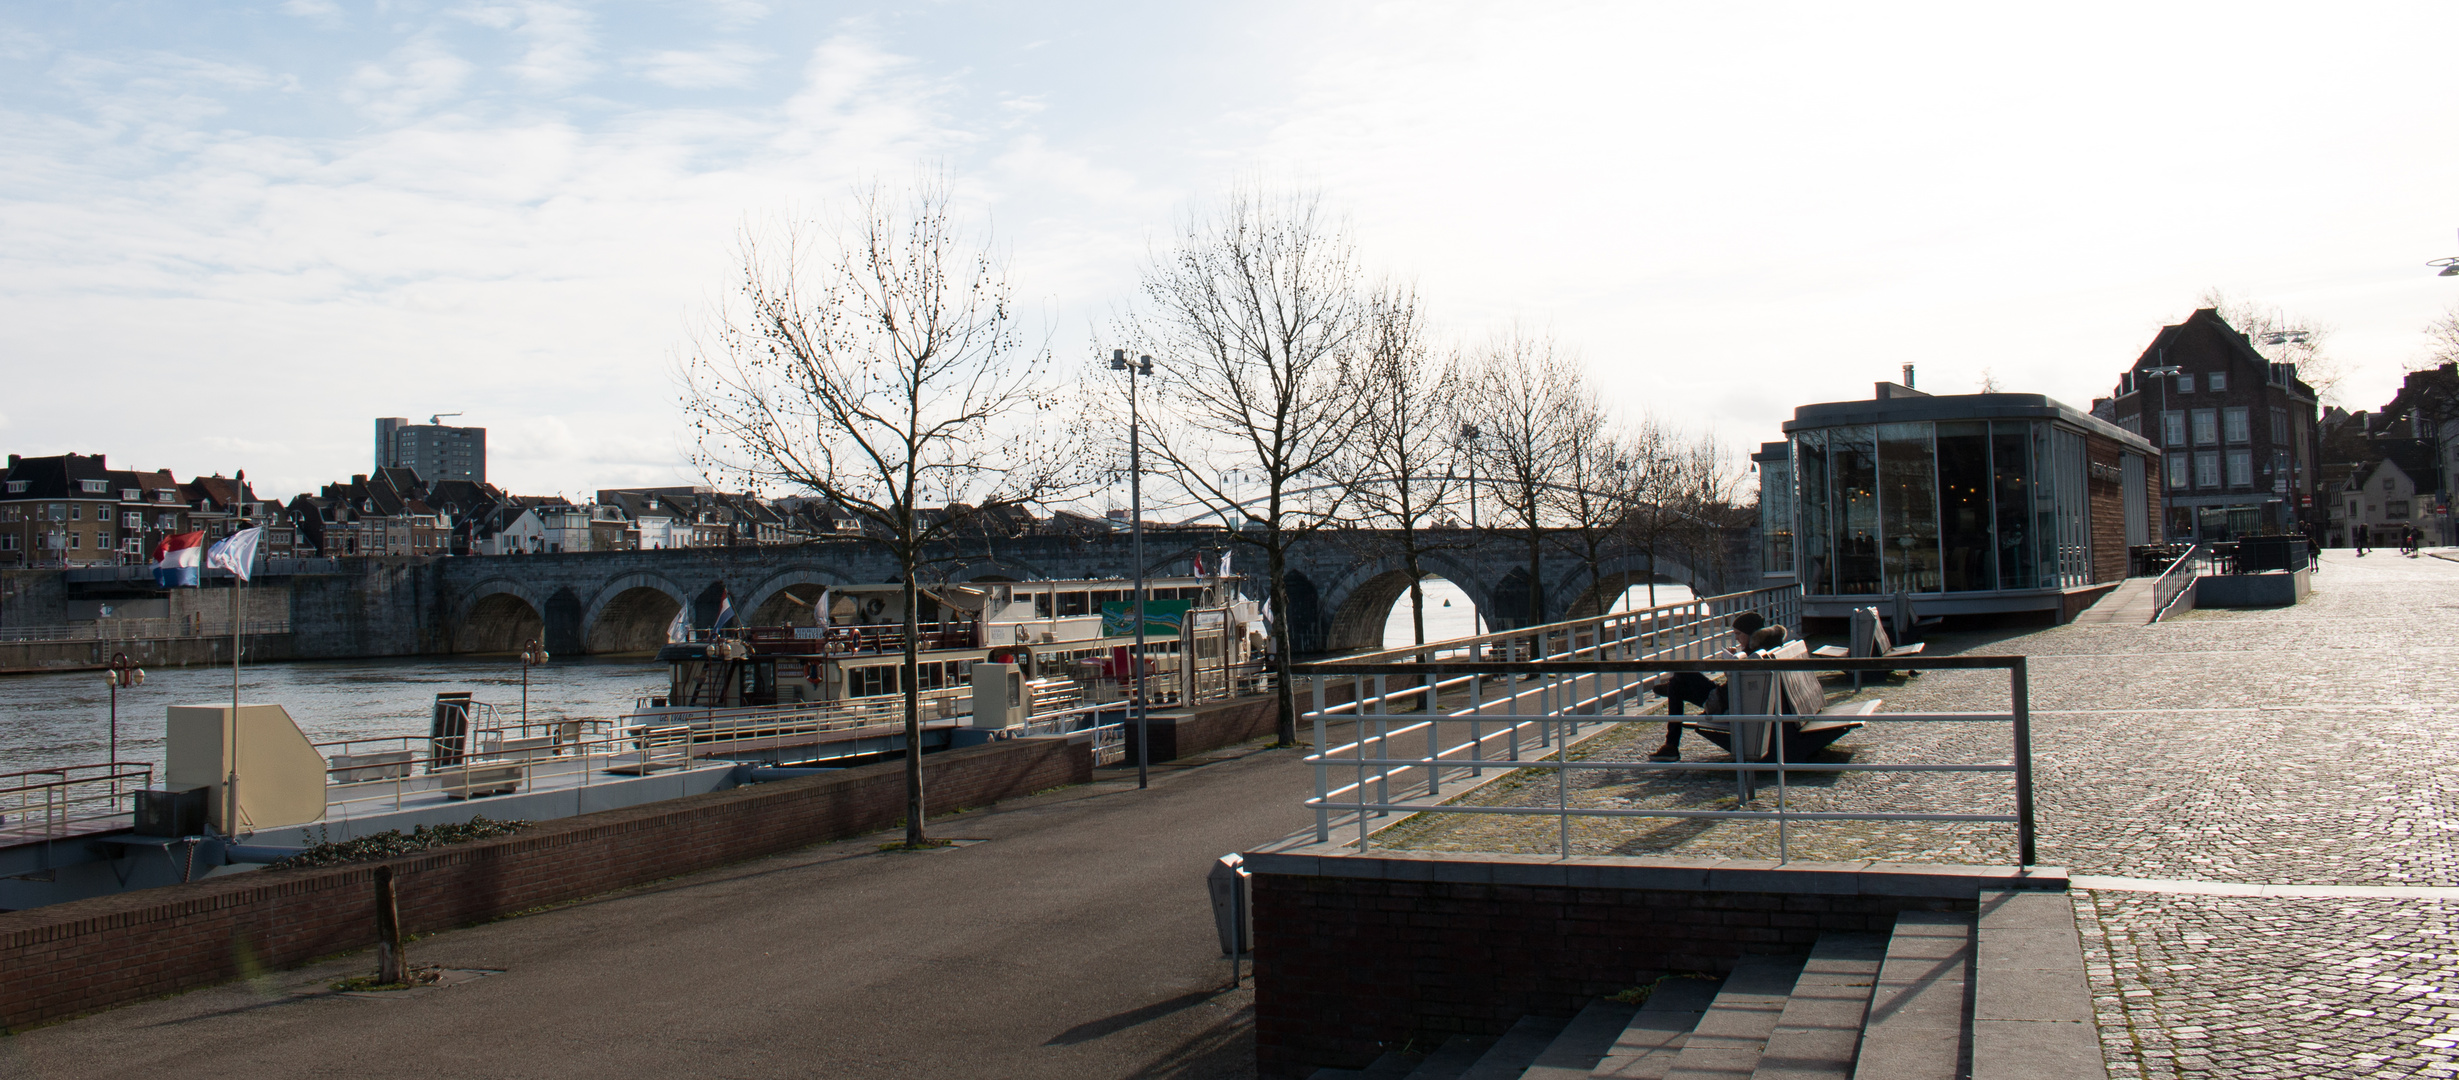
{"points": [[960, 672], [1041, 605], [927, 676], [1120, 596], [1073, 603], [871, 681]]}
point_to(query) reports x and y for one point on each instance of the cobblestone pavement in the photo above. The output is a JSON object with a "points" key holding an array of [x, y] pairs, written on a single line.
{"points": [[2225, 986], [2303, 746]]}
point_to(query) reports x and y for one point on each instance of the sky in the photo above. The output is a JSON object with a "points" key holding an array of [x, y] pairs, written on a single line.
{"points": [[237, 233]]}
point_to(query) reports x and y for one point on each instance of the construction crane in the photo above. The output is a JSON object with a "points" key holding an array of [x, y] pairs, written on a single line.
{"points": [[438, 419]]}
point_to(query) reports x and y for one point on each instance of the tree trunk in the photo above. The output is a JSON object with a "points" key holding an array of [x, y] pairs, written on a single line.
{"points": [[914, 836], [1283, 648], [1536, 568], [392, 963]]}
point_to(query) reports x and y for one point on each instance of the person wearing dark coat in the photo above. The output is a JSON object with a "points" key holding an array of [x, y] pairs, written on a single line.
{"points": [[1696, 689]]}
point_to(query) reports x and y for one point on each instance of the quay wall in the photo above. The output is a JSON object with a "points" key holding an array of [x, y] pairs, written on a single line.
{"points": [[1357, 953], [72, 958]]}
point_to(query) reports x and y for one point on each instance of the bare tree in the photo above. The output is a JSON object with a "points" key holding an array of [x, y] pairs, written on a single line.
{"points": [[871, 364], [1527, 392], [1258, 316], [2282, 338], [1404, 436], [2441, 341], [1598, 488]]}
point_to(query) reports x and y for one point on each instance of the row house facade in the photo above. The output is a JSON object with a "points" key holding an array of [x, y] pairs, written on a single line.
{"points": [[2238, 432], [72, 510]]}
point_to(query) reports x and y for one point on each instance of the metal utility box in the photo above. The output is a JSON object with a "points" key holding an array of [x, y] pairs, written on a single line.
{"points": [[281, 777], [170, 813], [999, 699]]}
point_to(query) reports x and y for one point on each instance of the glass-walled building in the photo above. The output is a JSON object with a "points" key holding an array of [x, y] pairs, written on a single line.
{"points": [[1967, 503]]}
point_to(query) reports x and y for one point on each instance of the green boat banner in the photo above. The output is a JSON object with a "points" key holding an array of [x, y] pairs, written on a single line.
{"points": [[1162, 618]]}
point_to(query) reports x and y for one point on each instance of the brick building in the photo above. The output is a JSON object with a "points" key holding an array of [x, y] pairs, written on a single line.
{"points": [[75, 510], [2239, 432]]}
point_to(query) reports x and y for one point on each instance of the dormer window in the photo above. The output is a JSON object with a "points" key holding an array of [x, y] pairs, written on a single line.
{"points": [[131, 494], [18, 487], [94, 487]]}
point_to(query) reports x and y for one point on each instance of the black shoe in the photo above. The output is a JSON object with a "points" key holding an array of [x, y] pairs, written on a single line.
{"points": [[1666, 753]]}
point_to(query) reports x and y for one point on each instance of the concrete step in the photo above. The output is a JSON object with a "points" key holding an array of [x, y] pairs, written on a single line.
{"points": [[1733, 1033], [1512, 1054], [1917, 1027], [1818, 1036], [1584, 1042], [1648, 1046], [2032, 1010], [1453, 1058]]}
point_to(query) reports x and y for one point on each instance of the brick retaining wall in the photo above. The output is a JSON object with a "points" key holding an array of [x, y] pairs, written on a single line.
{"points": [[75, 957], [1354, 954]]}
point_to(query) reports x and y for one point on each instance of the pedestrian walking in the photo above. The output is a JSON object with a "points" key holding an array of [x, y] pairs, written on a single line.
{"points": [[2362, 535]]}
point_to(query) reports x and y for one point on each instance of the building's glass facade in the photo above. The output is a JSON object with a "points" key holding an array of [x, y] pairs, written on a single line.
{"points": [[1938, 507]]}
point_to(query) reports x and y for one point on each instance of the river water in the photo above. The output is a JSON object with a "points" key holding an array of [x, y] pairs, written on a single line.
{"points": [[64, 719]]}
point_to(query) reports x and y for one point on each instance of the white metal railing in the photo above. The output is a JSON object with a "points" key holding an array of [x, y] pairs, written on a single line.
{"points": [[1554, 680], [52, 804]]}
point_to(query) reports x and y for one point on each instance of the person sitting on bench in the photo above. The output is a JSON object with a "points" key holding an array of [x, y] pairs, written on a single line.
{"points": [[1678, 687]]}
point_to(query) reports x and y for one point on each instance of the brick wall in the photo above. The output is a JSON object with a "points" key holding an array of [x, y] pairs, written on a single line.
{"points": [[75, 957], [2105, 501], [1353, 954]]}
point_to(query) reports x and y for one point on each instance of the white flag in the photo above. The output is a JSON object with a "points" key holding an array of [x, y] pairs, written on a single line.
{"points": [[1225, 563], [680, 630], [236, 552], [1266, 611]]}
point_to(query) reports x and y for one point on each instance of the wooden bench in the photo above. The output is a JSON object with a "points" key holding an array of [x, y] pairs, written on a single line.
{"points": [[1870, 642], [1757, 692]]}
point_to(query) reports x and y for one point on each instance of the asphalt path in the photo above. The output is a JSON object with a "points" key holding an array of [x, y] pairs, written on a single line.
{"points": [[1072, 940]]}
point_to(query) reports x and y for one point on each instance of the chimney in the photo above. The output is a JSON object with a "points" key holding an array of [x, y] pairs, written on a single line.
{"points": [[1908, 376]]}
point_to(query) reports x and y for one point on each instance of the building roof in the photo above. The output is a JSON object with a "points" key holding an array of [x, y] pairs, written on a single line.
{"points": [[55, 477], [1913, 408]]}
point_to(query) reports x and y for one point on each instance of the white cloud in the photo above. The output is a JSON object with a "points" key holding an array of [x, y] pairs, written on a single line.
{"points": [[418, 76], [718, 66]]}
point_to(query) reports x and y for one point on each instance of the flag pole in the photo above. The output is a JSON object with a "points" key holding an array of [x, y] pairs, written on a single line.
{"points": [[230, 814]]}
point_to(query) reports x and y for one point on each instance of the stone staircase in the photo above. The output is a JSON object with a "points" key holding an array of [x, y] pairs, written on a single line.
{"points": [[1993, 995]]}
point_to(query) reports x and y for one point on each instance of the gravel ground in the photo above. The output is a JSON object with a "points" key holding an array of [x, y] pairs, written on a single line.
{"points": [[2303, 746]]}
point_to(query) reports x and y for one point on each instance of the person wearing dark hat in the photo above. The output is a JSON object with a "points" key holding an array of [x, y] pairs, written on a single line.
{"points": [[1694, 688]]}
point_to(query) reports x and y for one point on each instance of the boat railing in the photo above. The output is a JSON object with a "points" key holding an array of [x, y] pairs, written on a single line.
{"points": [[38, 805], [384, 775]]}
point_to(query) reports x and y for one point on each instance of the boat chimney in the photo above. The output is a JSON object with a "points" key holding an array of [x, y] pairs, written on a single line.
{"points": [[1908, 376]]}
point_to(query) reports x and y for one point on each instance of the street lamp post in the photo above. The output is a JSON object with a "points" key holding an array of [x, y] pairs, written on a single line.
{"points": [[532, 655], [1143, 366], [121, 671], [1468, 436]]}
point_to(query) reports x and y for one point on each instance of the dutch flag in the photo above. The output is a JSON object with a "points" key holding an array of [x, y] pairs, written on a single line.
{"points": [[725, 611], [177, 557]]}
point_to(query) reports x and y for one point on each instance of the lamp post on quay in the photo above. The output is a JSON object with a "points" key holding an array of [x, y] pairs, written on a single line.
{"points": [[1141, 367], [532, 655], [121, 671]]}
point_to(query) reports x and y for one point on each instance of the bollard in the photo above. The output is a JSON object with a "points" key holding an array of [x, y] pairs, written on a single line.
{"points": [[1228, 886]]}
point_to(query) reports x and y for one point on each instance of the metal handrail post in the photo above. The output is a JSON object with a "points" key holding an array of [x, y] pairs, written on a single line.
{"points": [[1477, 724], [1383, 744], [2020, 688], [1432, 709], [1784, 807], [1323, 816]]}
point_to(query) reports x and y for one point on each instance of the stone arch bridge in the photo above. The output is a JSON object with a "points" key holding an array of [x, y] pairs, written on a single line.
{"points": [[1342, 585]]}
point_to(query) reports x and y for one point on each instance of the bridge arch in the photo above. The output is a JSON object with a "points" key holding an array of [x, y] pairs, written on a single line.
{"points": [[500, 615], [630, 613], [767, 603], [1359, 601], [1593, 592]]}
